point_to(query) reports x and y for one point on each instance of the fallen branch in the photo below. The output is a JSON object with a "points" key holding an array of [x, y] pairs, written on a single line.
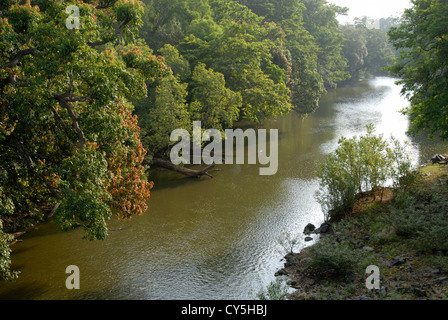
{"points": [[185, 171]]}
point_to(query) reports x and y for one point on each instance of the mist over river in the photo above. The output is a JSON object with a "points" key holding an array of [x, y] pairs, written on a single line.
{"points": [[213, 238]]}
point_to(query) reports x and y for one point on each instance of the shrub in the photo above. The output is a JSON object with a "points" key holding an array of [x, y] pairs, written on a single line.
{"points": [[358, 165], [276, 290], [405, 218], [327, 256], [288, 242], [434, 233]]}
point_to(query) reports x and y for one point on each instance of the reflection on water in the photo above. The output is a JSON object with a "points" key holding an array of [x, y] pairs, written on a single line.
{"points": [[213, 238]]}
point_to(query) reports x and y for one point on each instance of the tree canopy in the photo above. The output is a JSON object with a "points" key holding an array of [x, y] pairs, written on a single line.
{"points": [[69, 143], [422, 41]]}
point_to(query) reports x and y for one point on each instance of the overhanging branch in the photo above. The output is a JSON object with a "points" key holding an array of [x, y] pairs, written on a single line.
{"points": [[19, 57]]}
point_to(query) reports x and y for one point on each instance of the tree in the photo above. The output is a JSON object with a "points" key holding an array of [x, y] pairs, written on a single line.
{"points": [[178, 64], [360, 164], [355, 48], [422, 39], [380, 55], [320, 20], [162, 112], [69, 143], [212, 103], [240, 49]]}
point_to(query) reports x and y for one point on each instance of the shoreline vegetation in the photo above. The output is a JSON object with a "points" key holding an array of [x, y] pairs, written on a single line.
{"points": [[404, 234]]}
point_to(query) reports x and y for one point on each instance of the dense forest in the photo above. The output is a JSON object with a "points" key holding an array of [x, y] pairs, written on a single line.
{"points": [[84, 112]]}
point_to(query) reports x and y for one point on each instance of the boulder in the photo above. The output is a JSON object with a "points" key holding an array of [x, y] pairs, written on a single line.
{"points": [[308, 239], [324, 228], [397, 261], [439, 158], [309, 229], [280, 273], [420, 292]]}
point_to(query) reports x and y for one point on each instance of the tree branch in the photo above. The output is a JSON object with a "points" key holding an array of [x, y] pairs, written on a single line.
{"points": [[64, 103], [117, 31], [19, 57], [185, 171]]}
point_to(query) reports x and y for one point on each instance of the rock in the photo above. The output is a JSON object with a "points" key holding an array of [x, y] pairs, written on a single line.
{"points": [[281, 272], [324, 228], [291, 259], [441, 279], [309, 228], [397, 261], [317, 231], [308, 239], [419, 292], [438, 158], [435, 271], [369, 249], [290, 256]]}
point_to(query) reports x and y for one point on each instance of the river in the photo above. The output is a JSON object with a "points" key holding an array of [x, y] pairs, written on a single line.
{"points": [[213, 238]]}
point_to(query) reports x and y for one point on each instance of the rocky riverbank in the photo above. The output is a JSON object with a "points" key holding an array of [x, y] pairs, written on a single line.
{"points": [[405, 235]]}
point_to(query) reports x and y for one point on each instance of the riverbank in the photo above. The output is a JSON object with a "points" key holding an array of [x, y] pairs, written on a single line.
{"points": [[405, 235]]}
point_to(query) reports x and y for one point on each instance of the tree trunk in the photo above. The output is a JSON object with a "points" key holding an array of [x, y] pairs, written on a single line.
{"points": [[185, 171]]}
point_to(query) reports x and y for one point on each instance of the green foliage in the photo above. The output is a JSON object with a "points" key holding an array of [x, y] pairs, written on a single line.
{"points": [[405, 218], [358, 165], [5, 256], [333, 258], [164, 111], [423, 221], [179, 65], [380, 55], [422, 42], [366, 49], [276, 55], [355, 48], [276, 290], [320, 20], [434, 234], [311, 53], [68, 139], [212, 103]]}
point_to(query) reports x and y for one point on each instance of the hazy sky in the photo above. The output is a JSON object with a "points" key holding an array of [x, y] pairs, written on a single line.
{"points": [[372, 8]]}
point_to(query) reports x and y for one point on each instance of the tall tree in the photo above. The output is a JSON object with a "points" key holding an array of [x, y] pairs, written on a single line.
{"points": [[69, 144], [422, 39], [355, 48], [320, 20]]}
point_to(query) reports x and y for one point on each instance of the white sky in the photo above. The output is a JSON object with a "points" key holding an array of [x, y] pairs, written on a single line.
{"points": [[372, 8]]}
